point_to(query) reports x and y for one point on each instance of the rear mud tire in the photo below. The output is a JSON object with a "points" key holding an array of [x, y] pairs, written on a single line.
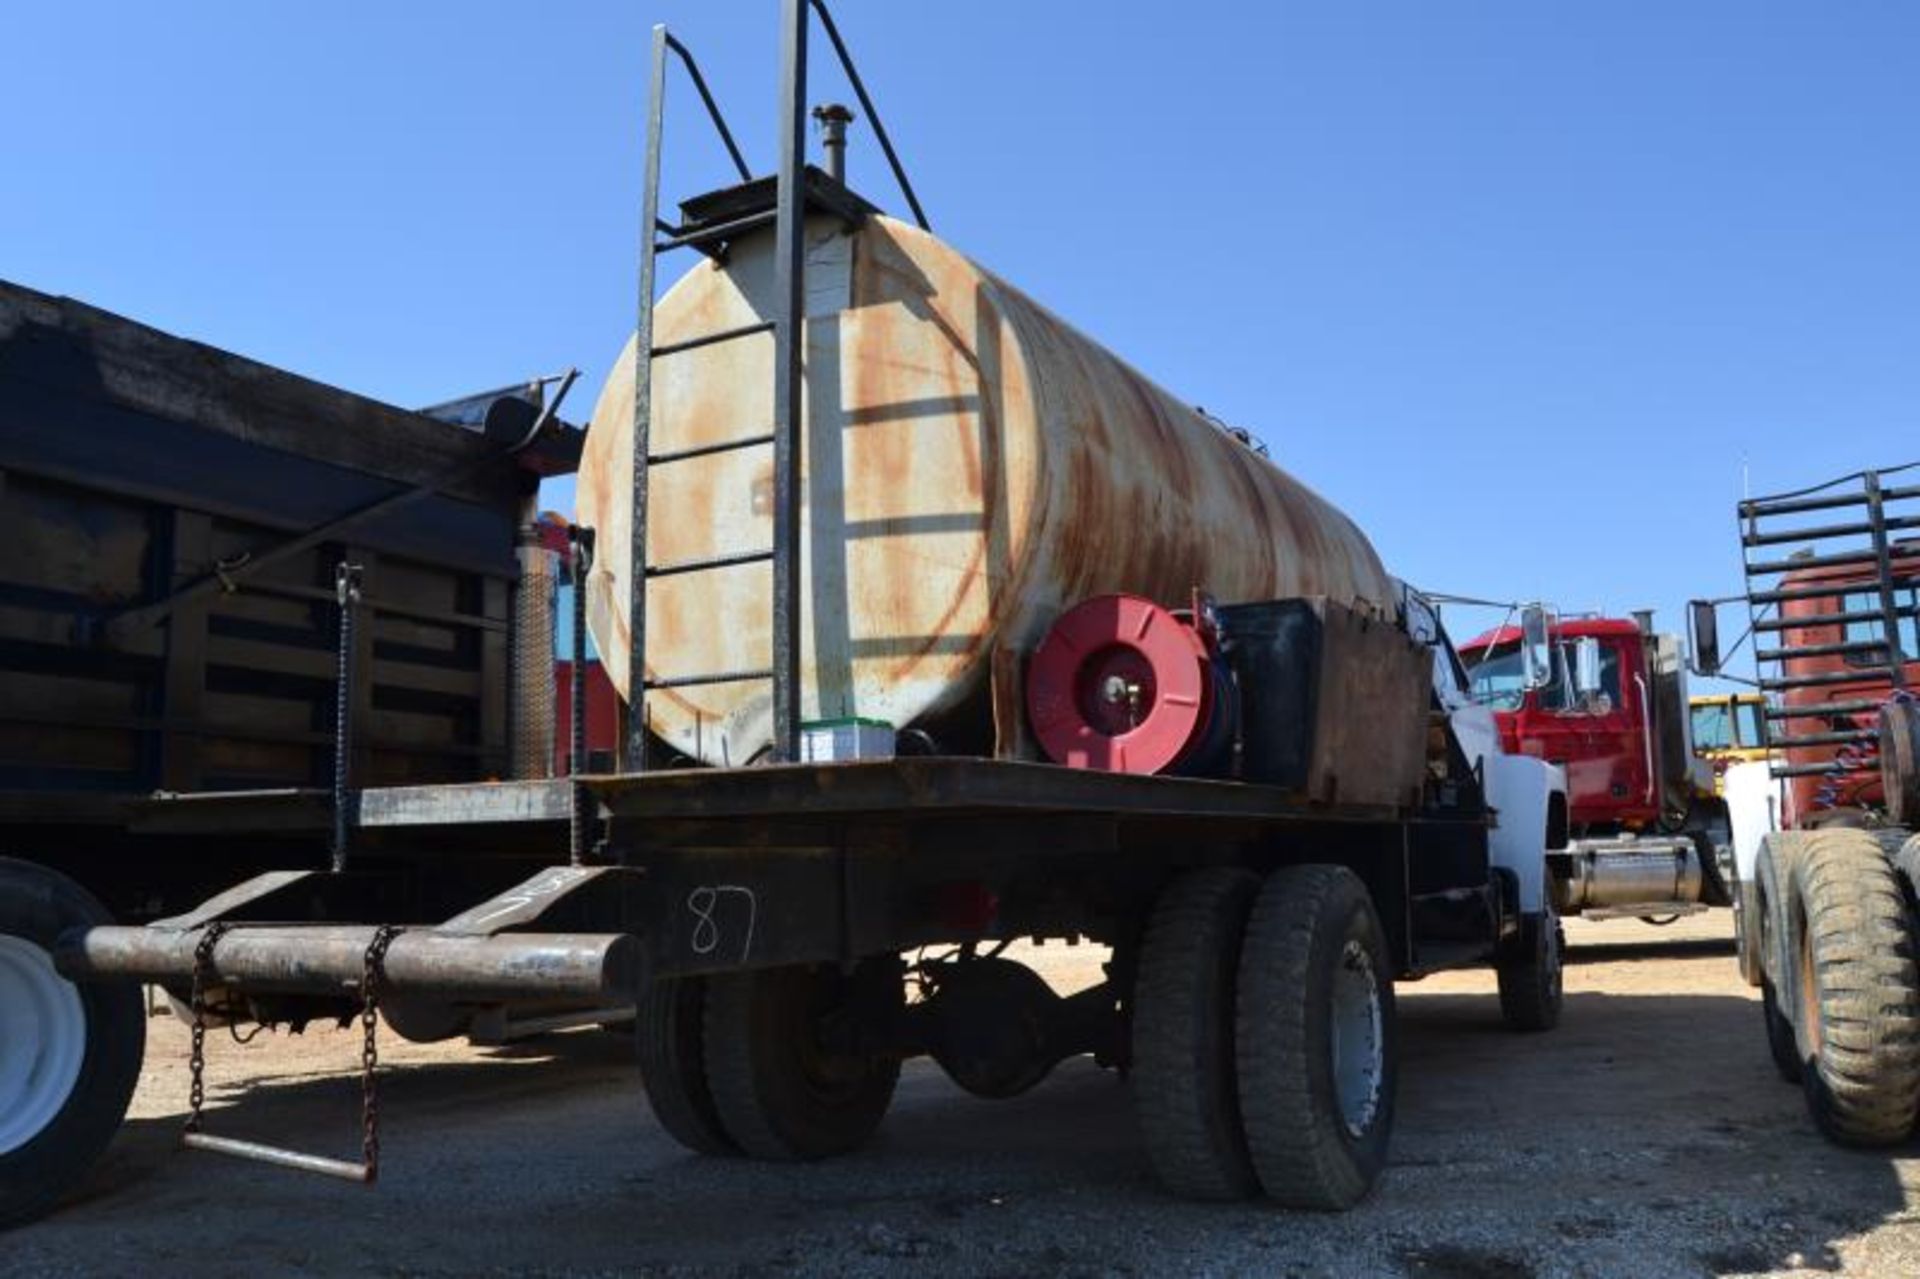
{"points": [[1857, 1017], [45, 1161], [669, 1031], [1533, 983], [1183, 1080], [1315, 1039], [781, 1088]]}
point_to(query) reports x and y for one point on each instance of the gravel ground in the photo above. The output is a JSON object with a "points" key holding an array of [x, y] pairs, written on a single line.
{"points": [[1647, 1137]]}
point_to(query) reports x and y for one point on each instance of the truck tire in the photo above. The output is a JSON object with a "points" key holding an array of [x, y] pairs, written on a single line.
{"points": [[69, 1054], [1764, 931], [781, 1087], [1533, 982], [1858, 993], [1315, 1042], [1782, 1045], [1746, 937], [669, 1031], [1184, 1094]]}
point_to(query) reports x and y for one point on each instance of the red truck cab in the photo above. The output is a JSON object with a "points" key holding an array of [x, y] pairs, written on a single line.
{"points": [[1607, 702], [1605, 739]]}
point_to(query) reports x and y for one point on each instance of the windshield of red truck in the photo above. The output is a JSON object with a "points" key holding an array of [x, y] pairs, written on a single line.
{"points": [[1495, 679]]}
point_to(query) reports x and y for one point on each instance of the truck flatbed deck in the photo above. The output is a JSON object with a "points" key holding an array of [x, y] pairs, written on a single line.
{"points": [[895, 789]]}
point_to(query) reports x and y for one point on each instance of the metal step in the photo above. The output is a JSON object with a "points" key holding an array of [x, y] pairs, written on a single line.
{"points": [[707, 450], [711, 339], [712, 677], [708, 563]]}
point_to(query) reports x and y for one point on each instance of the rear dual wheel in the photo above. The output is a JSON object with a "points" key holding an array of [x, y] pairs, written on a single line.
{"points": [[774, 1063], [1263, 1030]]}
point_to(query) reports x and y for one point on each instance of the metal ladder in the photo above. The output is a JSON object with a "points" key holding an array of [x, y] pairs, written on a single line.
{"points": [[1835, 546], [791, 191]]}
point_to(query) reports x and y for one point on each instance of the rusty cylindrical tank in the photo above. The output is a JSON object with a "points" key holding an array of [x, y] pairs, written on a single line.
{"points": [[972, 466]]}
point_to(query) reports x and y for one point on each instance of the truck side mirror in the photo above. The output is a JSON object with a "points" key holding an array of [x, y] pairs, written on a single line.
{"points": [[1586, 667], [1703, 636], [1536, 648]]}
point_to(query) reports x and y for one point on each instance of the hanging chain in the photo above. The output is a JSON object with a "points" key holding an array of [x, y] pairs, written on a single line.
{"points": [[346, 585], [372, 977], [197, 1056]]}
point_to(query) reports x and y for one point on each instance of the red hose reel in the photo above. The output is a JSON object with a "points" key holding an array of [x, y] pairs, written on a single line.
{"points": [[1123, 685]]}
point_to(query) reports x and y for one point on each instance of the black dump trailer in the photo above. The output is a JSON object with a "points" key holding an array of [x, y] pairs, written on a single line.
{"points": [[173, 524]]}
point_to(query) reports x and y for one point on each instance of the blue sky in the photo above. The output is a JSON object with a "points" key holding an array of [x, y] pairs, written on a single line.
{"points": [[1524, 288]]}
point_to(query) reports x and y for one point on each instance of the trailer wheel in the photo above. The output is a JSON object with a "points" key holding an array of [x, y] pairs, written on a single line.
{"points": [[1533, 981], [669, 1031], [1184, 1094], [69, 1055], [789, 1077], [1315, 1038], [1857, 990]]}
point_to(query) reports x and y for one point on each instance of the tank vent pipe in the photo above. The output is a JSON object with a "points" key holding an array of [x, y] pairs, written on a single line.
{"points": [[833, 120]]}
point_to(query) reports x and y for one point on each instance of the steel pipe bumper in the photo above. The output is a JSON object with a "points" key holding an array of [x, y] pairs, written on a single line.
{"points": [[331, 958]]}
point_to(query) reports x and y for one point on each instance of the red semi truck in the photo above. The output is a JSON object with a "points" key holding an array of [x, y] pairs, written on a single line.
{"points": [[1826, 864], [1648, 832]]}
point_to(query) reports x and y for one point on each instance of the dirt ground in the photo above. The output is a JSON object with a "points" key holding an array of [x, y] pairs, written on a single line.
{"points": [[1648, 1136]]}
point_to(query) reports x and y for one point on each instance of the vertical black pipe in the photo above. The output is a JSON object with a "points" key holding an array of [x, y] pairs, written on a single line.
{"points": [[579, 560], [789, 262], [833, 119], [642, 418]]}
